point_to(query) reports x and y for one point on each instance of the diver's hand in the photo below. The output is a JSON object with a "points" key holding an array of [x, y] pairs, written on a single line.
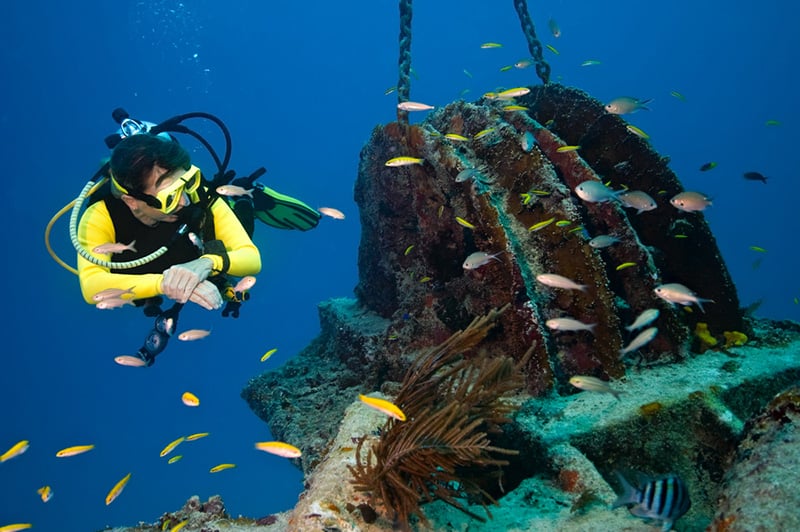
{"points": [[181, 280], [207, 296]]}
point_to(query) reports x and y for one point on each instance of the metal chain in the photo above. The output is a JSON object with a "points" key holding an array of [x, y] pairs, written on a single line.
{"points": [[534, 46], [404, 63]]}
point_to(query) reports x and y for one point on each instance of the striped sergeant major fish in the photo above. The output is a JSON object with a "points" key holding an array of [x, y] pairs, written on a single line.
{"points": [[662, 500]]}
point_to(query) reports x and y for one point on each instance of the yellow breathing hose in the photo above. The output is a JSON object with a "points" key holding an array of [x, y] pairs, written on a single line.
{"points": [[76, 206]]}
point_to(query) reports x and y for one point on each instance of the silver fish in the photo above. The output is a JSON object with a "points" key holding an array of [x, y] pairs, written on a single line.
{"points": [[593, 384], [478, 259], [690, 201], [527, 141], [569, 324], [603, 241], [636, 199], [558, 281], [625, 105], [595, 192], [641, 339], [680, 294], [645, 318], [663, 500]]}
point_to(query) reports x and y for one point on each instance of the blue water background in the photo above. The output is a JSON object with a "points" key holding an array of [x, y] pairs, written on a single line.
{"points": [[301, 85]]}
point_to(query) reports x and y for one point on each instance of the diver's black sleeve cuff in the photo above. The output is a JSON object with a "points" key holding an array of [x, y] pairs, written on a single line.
{"points": [[216, 247]]}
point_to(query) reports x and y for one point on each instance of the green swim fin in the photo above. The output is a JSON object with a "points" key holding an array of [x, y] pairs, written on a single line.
{"points": [[281, 211]]}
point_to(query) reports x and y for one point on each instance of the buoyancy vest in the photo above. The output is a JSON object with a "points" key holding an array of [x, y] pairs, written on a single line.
{"points": [[148, 239]]}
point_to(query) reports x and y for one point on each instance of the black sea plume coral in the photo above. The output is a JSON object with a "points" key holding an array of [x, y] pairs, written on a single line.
{"points": [[442, 450]]}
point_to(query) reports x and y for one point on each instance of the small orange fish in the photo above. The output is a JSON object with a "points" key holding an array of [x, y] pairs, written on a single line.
{"points": [[16, 450], [75, 449], [117, 489], [114, 247], [382, 405], [190, 399], [245, 283], [193, 334], [233, 191], [333, 213], [171, 446], [45, 492], [279, 448]]}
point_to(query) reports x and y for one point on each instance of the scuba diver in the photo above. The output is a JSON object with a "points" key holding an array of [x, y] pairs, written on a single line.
{"points": [[155, 228]]}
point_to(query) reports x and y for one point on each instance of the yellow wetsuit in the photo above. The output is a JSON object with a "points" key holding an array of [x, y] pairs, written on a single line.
{"points": [[97, 228]]}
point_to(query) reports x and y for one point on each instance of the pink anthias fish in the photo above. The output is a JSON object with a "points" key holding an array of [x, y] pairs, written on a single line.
{"points": [[559, 281], [113, 247], [234, 190], [130, 361], [112, 293], [569, 324], [677, 293], [336, 214], [245, 283], [193, 334], [113, 302], [478, 259]]}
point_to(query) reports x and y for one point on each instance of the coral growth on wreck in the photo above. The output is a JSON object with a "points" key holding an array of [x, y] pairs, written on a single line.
{"points": [[420, 222], [452, 402]]}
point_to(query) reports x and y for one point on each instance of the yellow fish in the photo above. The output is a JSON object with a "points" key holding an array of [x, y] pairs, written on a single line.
{"points": [[15, 527], [758, 248], [75, 449], [170, 446], [221, 467], [487, 45], [174, 458], [404, 161], [773, 122], [268, 354], [636, 131], [45, 492], [625, 265], [16, 450], [552, 49], [440, 211], [515, 108], [462, 222], [390, 90], [541, 225], [513, 93], [179, 526], [678, 95], [563, 149], [279, 448], [526, 198], [563, 223], [196, 436], [456, 136], [425, 279], [539, 192], [408, 249], [382, 405], [117, 489], [190, 399], [506, 68], [483, 133]]}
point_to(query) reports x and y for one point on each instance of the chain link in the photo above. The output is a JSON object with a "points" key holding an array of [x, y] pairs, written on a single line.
{"points": [[534, 46], [404, 63]]}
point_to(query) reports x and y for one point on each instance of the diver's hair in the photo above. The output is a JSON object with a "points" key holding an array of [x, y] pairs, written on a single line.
{"points": [[134, 158]]}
